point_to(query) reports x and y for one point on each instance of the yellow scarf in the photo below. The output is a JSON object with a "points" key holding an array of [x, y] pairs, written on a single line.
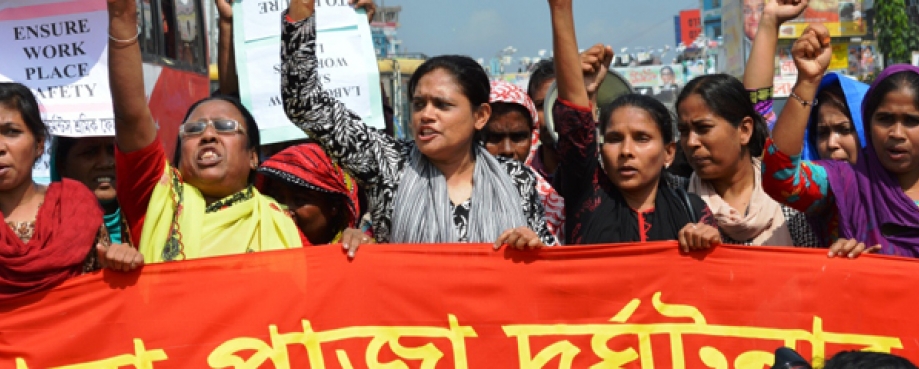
{"points": [[250, 225]]}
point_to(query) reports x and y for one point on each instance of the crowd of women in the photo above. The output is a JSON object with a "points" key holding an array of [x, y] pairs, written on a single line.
{"points": [[839, 169]]}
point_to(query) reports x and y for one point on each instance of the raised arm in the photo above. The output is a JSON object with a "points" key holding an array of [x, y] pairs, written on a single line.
{"points": [[760, 67], [595, 63], [367, 153], [134, 125], [568, 75], [578, 77], [812, 55], [800, 184], [226, 52]]}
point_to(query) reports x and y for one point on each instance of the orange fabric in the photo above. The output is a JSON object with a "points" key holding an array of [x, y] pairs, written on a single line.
{"points": [[198, 313]]}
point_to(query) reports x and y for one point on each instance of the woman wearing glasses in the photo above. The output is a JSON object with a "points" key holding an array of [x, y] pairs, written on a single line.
{"points": [[420, 191], [203, 204]]}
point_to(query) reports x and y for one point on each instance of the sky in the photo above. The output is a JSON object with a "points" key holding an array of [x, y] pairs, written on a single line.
{"points": [[482, 28]]}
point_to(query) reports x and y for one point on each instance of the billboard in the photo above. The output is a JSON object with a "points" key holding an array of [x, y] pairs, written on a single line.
{"points": [[735, 41], [663, 82], [690, 25], [843, 18]]}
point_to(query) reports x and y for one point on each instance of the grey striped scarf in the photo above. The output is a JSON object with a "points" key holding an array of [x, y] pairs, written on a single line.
{"points": [[422, 206]]}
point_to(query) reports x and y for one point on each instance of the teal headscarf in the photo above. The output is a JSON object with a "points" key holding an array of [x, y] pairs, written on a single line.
{"points": [[114, 223], [854, 92]]}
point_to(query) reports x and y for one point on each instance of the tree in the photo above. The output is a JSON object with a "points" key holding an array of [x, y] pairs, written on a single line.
{"points": [[896, 36]]}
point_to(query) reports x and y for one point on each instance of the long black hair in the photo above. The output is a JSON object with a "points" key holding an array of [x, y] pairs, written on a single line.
{"points": [[727, 98]]}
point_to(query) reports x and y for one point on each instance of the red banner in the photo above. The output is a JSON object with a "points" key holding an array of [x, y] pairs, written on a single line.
{"points": [[690, 26], [466, 306]]}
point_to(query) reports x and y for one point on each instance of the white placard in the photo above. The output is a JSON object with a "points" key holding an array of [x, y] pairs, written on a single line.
{"points": [[63, 57], [264, 99], [262, 18], [41, 170], [347, 63]]}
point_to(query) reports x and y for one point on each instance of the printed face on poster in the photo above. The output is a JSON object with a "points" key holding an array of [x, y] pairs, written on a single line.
{"points": [[659, 81], [843, 18], [752, 14], [344, 48]]}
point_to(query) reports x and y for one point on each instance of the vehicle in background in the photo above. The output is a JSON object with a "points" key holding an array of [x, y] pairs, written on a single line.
{"points": [[173, 42]]}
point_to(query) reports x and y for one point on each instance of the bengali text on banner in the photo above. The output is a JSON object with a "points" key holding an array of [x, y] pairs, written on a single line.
{"points": [[467, 306]]}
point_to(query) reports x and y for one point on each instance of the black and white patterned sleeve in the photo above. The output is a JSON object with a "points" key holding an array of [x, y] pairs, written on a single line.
{"points": [[525, 180], [368, 154], [801, 232]]}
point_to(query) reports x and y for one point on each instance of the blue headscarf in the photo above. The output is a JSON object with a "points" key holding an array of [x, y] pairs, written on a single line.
{"points": [[113, 221], [854, 92]]}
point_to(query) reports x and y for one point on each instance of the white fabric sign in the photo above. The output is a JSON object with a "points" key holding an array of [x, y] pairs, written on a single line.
{"points": [[63, 59]]}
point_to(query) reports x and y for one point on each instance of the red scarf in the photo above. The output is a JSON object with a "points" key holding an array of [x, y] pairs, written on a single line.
{"points": [[308, 166], [65, 232]]}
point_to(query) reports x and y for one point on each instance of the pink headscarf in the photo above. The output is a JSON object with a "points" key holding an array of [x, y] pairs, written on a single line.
{"points": [[553, 203]]}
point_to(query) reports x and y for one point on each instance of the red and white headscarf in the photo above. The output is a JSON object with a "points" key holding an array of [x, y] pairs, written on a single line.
{"points": [[309, 167], [554, 205]]}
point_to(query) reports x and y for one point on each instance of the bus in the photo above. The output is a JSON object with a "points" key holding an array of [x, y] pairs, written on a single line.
{"points": [[173, 42]]}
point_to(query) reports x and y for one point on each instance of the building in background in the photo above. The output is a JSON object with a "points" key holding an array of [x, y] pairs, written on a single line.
{"points": [[677, 31], [384, 30], [854, 51], [711, 18]]}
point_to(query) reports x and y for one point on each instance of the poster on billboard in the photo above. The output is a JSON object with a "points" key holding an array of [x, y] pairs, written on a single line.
{"points": [[843, 18], [663, 82], [785, 65], [863, 59], [690, 26], [735, 40]]}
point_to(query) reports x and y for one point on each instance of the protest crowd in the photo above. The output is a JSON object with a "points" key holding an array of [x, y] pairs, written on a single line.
{"points": [[838, 170]]}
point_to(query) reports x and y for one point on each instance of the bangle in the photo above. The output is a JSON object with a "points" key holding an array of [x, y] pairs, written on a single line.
{"points": [[802, 101], [132, 39]]}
